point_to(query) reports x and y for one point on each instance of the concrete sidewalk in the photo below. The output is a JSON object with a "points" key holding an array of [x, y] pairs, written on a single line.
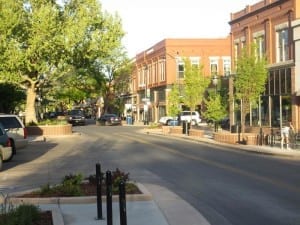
{"points": [[162, 208]]}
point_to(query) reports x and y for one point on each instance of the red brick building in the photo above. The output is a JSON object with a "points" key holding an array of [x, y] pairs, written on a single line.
{"points": [[274, 25], [160, 66]]}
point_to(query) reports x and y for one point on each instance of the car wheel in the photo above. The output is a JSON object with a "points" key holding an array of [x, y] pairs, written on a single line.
{"points": [[106, 123], [13, 147], [193, 122], [9, 159], [1, 162]]}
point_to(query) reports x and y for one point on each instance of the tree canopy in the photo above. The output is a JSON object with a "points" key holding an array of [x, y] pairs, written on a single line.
{"points": [[195, 84], [250, 79], [42, 41]]}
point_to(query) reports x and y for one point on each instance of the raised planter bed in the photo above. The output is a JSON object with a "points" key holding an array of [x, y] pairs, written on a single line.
{"points": [[235, 138], [48, 130], [196, 132]]}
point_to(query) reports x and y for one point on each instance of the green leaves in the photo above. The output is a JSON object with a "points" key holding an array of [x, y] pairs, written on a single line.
{"points": [[215, 110], [251, 75], [195, 84], [41, 38]]}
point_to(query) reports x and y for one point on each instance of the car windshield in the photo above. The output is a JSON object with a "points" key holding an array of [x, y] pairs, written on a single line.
{"points": [[76, 112], [111, 115]]}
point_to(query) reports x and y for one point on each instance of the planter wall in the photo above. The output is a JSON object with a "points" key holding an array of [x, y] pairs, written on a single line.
{"points": [[196, 132], [171, 129], [48, 130], [234, 138]]}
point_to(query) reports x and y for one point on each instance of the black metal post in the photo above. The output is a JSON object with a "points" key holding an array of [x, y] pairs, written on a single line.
{"points": [[122, 203], [109, 198], [260, 136], [272, 137], [98, 191]]}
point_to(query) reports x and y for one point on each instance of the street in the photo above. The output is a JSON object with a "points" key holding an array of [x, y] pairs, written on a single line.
{"points": [[227, 186]]}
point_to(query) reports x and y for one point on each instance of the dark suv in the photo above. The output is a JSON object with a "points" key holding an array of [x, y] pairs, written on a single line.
{"points": [[76, 117]]}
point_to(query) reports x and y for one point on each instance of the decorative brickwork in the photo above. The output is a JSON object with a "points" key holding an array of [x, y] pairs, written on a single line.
{"points": [[235, 138], [196, 132], [50, 130]]}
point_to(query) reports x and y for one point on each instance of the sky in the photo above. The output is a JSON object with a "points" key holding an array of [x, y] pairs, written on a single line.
{"points": [[149, 22]]}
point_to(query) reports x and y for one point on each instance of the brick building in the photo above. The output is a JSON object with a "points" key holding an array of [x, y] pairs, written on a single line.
{"points": [[274, 25], [160, 66]]}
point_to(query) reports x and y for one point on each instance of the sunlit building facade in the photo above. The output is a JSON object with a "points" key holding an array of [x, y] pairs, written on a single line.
{"points": [[159, 67], [274, 25]]}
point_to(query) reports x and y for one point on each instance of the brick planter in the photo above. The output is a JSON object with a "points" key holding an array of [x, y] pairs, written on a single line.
{"points": [[196, 132], [234, 138], [48, 130], [171, 129]]}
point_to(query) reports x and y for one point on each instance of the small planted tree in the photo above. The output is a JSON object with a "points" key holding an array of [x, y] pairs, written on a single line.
{"points": [[195, 85], [250, 80], [174, 101], [215, 110]]}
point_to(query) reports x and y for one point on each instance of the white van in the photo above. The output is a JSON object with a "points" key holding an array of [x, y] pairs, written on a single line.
{"points": [[191, 117]]}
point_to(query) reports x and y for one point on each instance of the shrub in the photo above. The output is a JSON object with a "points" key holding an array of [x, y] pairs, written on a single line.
{"points": [[48, 122], [25, 214]]}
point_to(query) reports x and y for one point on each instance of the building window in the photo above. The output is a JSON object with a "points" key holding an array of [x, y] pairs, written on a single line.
{"points": [[195, 61], [162, 70], [213, 66], [243, 42], [226, 66], [180, 68], [236, 52], [149, 75], [141, 78], [260, 46], [282, 47]]}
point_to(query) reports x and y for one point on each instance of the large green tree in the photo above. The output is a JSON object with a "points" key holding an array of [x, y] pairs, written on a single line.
{"points": [[42, 41], [250, 79]]}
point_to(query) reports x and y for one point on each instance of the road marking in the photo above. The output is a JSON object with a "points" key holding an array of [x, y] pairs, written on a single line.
{"points": [[219, 165]]}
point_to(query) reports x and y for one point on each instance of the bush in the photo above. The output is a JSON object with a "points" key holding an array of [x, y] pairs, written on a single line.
{"points": [[26, 214], [49, 122]]}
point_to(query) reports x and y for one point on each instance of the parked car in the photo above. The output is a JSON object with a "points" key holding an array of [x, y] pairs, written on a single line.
{"points": [[5, 147], [173, 122], [76, 117], [165, 119], [225, 124], [109, 119], [191, 117], [15, 130]]}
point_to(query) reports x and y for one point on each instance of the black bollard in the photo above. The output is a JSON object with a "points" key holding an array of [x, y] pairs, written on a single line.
{"points": [[98, 191], [122, 203], [109, 198]]}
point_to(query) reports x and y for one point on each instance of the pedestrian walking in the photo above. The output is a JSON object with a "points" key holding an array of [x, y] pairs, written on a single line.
{"points": [[287, 135]]}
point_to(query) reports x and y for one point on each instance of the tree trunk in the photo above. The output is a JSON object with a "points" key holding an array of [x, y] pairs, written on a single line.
{"points": [[30, 105]]}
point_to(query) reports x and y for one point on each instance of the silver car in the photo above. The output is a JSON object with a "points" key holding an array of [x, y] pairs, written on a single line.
{"points": [[15, 130], [5, 147]]}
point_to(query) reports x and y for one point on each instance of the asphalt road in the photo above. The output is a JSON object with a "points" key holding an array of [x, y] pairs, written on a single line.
{"points": [[225, 185]]}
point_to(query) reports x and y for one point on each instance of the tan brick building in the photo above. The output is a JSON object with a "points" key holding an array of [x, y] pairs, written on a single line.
{"points": [[160, 66], [274, 25]]}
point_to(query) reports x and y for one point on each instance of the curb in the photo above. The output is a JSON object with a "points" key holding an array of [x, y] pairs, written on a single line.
{"points": [[57, 217], [245, 148], [145, 196]]}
